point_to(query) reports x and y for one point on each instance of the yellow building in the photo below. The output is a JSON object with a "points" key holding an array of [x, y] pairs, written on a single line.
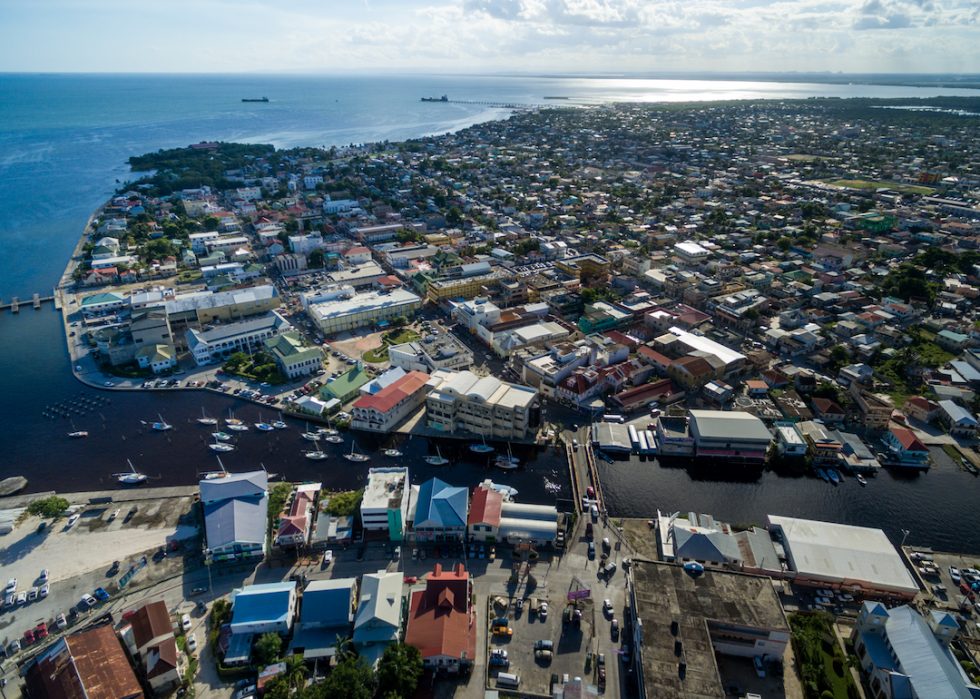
{"points": [[437, 239], [584, 266], [463, 288]]}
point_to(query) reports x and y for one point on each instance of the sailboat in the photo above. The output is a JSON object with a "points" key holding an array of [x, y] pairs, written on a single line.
{"points": [[316, 454], [509, 462], [329, 431], [311, 436], [483, 448], [438, 460], [279, 424], [393, 453], [334, 439], [76, 434], [211, 475], [130, 477], [219, 445], [234, 424], [163, 425], [356, 456], [263, 426], [205, 419]]}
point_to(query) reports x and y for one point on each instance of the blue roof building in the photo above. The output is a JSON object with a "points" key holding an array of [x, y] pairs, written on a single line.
{"points": [[908, 655], [328, 612], [260, 609], [440, 512], [958, 419], [236, 515]]}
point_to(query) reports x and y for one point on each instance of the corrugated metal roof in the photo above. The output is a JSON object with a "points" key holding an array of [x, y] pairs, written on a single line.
{"points": [[236, 521]]}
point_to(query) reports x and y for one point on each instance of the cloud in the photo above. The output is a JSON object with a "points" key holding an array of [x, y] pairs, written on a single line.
{"points": [[894, 21]]}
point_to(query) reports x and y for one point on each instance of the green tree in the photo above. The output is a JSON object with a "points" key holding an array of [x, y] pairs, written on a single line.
{"points": [[345, 504], [351, 679], [399, 670], [268, 648], [236, 361], [317, 259], [784, 243], [48, 507], [211, 223], [295, 673], [454, 216]]}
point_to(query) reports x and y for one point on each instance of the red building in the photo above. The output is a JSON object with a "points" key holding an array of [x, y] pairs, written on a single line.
{"points": [[441, 619]]}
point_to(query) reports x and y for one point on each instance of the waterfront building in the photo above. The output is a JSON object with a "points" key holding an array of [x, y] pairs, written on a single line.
{"points": [[788, 440], [342, 309], [216, 345], [90, 663], [293, 357], [440, 512], [484, 517], [958, 420], [906, 653], [532, 524], [674, 437], [906, 448], [385, 504], [236, 515], [439, 620], [158, 358], [703, 539], [720, 612], [464, 402], [731, 435], [380, 614], [384, 410], [823, 447], [346, 386], [842, 557]]}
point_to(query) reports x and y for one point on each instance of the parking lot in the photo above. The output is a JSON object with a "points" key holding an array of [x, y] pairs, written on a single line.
{"points": [[941, 585]]}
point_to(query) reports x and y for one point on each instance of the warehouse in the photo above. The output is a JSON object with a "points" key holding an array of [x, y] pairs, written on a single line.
{"points": [[536, 524], [732, 436]]}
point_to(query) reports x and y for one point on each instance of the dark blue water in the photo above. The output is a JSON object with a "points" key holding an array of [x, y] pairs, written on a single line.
{"points": [[64, 141]]}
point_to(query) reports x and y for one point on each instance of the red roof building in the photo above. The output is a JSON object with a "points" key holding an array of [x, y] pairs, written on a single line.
{"points": [[440, 620], [382, 411], [86, 665], [907, 448], [484, 518], [663, 391]]}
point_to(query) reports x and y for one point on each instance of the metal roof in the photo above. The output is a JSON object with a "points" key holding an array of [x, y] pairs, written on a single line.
{"points": [[234, 485], [721, 424], [235, 521]]}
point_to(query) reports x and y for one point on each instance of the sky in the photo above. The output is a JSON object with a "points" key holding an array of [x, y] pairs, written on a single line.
{"points": [[461, 36]]}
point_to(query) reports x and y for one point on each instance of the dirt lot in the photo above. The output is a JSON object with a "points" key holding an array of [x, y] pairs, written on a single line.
{"points": [[642, 537]]}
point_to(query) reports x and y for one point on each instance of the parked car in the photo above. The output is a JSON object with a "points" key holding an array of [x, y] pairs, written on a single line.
{"points": [[71, 521], [45, 590], [498, 653], [185, 622], [43, 577], [191, 642], [32, 594], [327, 557], [41, 631], [954, 573], [759, 669], [607, 606], [88, 600], [61, 622], [101, 594]]}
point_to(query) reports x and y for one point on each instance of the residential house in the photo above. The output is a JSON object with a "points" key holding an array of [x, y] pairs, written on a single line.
{"points": [[327, 612], [297, 521], [952, 341], [441, 621], [959, 420], [876, 411], [149, 635], [89, 664], [380, 612], [691, 373], [823, 447], [921, 409], [827, 410], [440, 512], [907, 449]]}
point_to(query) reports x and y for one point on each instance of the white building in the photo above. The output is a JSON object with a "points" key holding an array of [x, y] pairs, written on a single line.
{"points": [[476, 312], [215, 346], [461, 401], [339, 206], [382, 411], [433, 352], [788, 440], [384, 506], [305, 244], [348, 310]]}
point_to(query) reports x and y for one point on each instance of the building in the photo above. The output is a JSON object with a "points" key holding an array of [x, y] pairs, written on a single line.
{"points": [[439, 621], [379, 615], [907, 450], [691, 253], [483, 521], [533, 524], [347, 311], [673, 437], [476, 312], [823, 448], [216, 345], [732, 436], [384, 410], [463, 402], [347, 386], [326, 613], [677, 618], [202, 308], [713, 544], [296, 522], [466, 287], [906, 654], [788, 440], [842, 557], [921, 409], [264, 608], [149, 635], [293, 356], [959, 420], [236, 515], [662, 391], [442, 351], [90, 664], [157, 358], [876, 411], [440, 512], [587, 266], [384, 505], [691, 373]]}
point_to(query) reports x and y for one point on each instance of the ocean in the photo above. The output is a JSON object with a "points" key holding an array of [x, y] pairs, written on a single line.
{"points": [[64, 143]]}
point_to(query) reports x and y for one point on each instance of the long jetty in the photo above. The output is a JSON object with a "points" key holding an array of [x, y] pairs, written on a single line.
{"points": [[36, 301]]}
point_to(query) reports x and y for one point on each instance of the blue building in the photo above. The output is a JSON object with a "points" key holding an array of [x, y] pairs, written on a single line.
{"points": [[440, 512], [328, 612], [236, 515]]}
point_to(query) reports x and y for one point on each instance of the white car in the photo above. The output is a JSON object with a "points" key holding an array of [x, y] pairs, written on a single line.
{"points": [[61, 622], [44, 576], [21, 597], [825, 593], [543, 610], [45, 590], [823, 600], [327, 557], [11, 586], [88, 600], [72, 520], [498, 653], [607, 607], [185, 622], [191, 642]]}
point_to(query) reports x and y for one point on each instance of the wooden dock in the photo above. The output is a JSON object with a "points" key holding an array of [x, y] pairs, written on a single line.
{"points": [[36, 301]]}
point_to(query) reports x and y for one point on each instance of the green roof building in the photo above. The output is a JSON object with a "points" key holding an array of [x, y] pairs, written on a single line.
{"points": [[347, 386], [292, 358]]}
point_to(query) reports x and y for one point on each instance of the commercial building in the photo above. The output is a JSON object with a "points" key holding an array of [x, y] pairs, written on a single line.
{"points": [[906, 654], [442, 351], [384, 506], [788, 440], [347, 310], [484, 517], [713, 544], [907, 450], [439, 620], [584, 266], [382, 411], [842, 557], [733, 436], [440, 511], [680, 623], [347, 386], [90, 664], [379, 615], [204, 307], [445, 288], [236, 514], [533, 524], [463, 402], [673, 437], [293, 356], [216, 345]]}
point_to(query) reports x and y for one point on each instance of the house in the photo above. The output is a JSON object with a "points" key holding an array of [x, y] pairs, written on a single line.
{"points": [[756, 388], [953, 341], [921, 409], [907, 449], [959, 420], [907, 654], [483, 521], [662, 391], [440, 512], [236, 514], [293, 358], [263, 608], [346, 386], [327, 612], [379, 614], [828, 411], [775, 379], [89, 664], [159, 358], [823, 447], [692, 373], [295, 523], [441, 621], [149, 635]]}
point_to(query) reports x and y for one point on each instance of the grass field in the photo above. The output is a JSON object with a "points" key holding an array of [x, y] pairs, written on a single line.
{"points": [[870, 184]]}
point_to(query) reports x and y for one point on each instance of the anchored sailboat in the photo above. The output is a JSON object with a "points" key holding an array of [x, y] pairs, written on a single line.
{"points": [[206, 419], [131, 477], [316, 454], [356, 456], [438, 460], [163, 425], [483, 448]]}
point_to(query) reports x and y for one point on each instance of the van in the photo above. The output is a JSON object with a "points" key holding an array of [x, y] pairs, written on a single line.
{"points": [[505, 679], [574, 444]]}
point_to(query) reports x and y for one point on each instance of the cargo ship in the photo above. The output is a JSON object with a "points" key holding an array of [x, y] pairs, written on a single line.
{"points": [[246, 99], [444, 98]]}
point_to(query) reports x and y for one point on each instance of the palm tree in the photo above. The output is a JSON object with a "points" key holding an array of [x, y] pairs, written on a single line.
{"points": [[295, 671], [342, 646]]}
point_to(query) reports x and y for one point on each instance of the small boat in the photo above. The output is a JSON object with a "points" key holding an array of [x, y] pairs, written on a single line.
{"points": [[334, 439], [861, 479], [222, 436], [220, 446], [163, 425], [234, 424], [255, 99], [211, 475], [438, 460], [329, 431], [78, 435], [311, 435], [279, 424], [316, 454], [205, 419], [356, 456], [509, 492], [394, 453], [605, 456], [971, 468], [823, 474], [505, 464], [264, 426], [131, 477], [483, 448], [834, 478]]}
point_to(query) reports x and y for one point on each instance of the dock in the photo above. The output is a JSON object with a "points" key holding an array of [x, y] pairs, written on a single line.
{"points": [[36, 301]]}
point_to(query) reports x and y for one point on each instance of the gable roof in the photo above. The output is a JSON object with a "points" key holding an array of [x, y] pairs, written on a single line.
{"points": [[825, 406], [439, 620], [90, 664], [262, 603], [394, 393], [328, 602], [235, 485], [441, 505], [151, 621], [908, 439], [380, 606], [234, 521], [485, 508]]}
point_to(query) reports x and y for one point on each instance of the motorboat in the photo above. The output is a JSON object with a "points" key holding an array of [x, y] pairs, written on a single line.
{"points": [[393, 453], [861, 479], [823, 474], [78, 435], [834, 478]]}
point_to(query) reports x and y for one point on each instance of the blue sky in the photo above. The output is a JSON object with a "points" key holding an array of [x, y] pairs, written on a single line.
{"points": [[208, 36]]}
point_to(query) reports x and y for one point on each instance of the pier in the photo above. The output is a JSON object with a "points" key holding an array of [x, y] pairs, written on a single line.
{"points": [[36, 301]]}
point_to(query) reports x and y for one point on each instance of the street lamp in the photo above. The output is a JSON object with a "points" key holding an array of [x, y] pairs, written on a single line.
{"points": [[905, 533]]}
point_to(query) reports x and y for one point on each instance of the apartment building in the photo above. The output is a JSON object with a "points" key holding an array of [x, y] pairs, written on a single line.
{"points": [[464, 402]]}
